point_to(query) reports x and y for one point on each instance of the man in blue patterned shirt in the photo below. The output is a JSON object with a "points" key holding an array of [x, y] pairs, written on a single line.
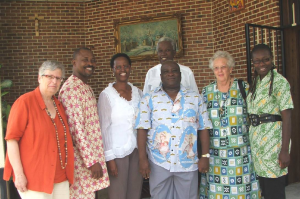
{"points": [[169, 121]]}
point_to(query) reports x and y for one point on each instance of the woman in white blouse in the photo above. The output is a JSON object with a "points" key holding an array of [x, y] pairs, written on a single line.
{"points": [[116, 107]]}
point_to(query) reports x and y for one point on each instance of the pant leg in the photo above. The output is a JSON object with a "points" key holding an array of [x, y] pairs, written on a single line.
{"points": [[118, 184], [161, 182], [135, 179], [61, 190], [186, 185], [273, 188], [34, 194]]}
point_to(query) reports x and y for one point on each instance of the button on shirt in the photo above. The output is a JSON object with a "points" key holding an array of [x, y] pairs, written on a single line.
{"points": [[172, 135]]}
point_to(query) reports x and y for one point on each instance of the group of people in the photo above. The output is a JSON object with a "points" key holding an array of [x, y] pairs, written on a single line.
{"points": [[237, 137]]}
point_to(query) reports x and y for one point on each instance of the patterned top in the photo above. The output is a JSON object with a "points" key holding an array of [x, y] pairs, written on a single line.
{"points": [[231, 173], [266, 138], [228, 113], [81, 108], [172, 135]]}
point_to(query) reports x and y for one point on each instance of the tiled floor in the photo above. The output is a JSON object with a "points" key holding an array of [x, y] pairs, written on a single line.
{"points": [[292, 192]]}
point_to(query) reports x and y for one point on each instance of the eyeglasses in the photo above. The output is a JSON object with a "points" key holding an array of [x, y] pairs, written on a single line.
{"points": [[218, 68], [264, 60], [120, 67], [51, 77]]}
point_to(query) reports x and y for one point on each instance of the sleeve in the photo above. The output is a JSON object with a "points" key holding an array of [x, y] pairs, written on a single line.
{"points": [[204, 120], [18, 115], [143, 120], [104, 111], [146, 85], [76, 111], [192, 82], [283, 95]]}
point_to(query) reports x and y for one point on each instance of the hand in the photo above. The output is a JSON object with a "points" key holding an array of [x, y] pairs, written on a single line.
{"points": [[96, 170], [112, 168], [144, 168], [21, 182], [284, 159], [203, 165]]}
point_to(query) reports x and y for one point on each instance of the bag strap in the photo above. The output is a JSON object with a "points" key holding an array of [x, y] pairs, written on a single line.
{"points": [[242, 89]]}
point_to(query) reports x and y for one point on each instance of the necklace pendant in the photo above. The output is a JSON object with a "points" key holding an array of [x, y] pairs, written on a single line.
{"points": [[221, 110]]}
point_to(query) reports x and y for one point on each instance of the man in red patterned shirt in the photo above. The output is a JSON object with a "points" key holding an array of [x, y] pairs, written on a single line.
{"points": [[80, 104]]}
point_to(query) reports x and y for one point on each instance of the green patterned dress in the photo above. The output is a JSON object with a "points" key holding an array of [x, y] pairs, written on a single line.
{"points": [[231, 174], [266, 138]]}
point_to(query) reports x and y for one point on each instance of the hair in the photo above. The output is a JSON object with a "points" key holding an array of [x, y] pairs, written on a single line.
{"points": [[261, 47], [51, 65], [167, 39], [170, 61], [252, 89], [114, 57], [77, 51], [222, 54]]}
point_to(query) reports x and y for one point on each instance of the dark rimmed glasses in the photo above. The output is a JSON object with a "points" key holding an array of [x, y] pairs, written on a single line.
{"points": [[264, 60]]}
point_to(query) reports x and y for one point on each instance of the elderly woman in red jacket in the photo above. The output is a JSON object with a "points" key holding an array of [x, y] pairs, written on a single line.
{"points": [[40, 154]]}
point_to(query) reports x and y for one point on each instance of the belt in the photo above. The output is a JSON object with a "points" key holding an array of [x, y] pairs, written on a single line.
{"points": [[263, 118]]}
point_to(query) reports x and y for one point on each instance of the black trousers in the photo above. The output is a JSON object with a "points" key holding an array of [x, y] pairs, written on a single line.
{"points": [[273, 188]]}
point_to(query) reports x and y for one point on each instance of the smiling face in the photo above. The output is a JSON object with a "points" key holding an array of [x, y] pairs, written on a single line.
{"points": [[84, 65], [170, 75], [121, 69], [47, 85], [221, 70], [262, 61], [165, 51]]}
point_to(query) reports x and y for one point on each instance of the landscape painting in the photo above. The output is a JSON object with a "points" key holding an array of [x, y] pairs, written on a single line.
{"points": [[138, 38]]}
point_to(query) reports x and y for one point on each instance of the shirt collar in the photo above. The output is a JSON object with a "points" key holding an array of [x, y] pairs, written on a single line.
{"points": [[40, 100], [266, 79]]}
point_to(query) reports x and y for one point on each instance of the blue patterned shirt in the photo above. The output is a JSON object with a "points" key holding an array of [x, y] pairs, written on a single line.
{"points": [[172, 135]]}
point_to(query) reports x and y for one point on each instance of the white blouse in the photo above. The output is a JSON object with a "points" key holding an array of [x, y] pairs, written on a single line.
{"points": [[117, 119]]}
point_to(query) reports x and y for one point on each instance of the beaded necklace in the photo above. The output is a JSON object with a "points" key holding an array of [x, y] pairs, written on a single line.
{"points": [[222, 105], [57, 139]]}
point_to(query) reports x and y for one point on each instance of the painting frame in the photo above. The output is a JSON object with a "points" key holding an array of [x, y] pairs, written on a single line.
{"points": [[140, 44], [236, 5]]}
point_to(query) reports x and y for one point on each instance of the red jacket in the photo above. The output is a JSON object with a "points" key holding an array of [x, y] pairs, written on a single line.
{"points": [[29, 124]]}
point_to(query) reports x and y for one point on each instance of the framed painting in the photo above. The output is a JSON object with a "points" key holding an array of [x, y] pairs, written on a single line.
{"points": [[138, 38], [236, 5]]}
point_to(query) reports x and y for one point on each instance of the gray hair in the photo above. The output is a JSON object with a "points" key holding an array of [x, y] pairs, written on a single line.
{"points": [[167, 39], [222, 54], [51, 65]]}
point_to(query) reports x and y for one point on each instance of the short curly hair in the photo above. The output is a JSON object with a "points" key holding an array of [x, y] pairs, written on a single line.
{"points": [[222, 54], [114, 57], [51, 65]]}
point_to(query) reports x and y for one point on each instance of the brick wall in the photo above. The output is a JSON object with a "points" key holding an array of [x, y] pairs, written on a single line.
{"points": [[207, 26], [61, 31], [196, 29], [229, 28]]}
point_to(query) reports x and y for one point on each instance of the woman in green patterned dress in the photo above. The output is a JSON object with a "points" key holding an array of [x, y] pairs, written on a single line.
{"points": [[231, 174], [270, 107]]}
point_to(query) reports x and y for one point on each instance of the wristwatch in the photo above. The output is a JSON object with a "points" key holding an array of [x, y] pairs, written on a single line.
{"points": [[206, 155]]}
